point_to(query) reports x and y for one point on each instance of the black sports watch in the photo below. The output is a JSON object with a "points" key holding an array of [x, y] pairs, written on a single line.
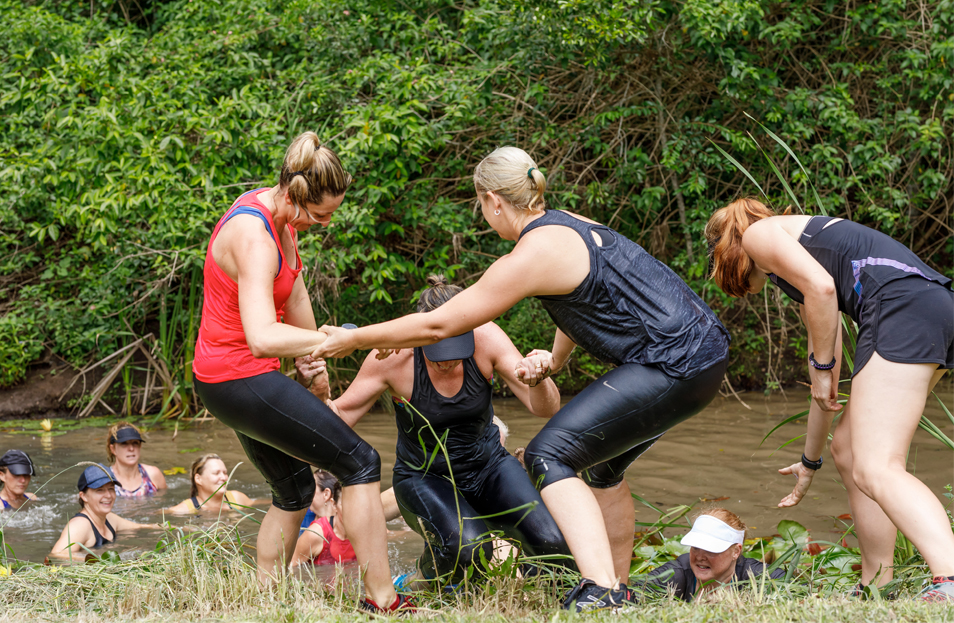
{"points": [[812, 465]]}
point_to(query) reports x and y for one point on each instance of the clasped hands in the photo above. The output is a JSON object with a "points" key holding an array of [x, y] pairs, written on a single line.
{"points": [[537, 366]]}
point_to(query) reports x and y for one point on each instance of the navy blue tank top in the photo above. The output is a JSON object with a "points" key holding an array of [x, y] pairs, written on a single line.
{"points": [[463, 423], [861, 260], [632, 308], [100, 539]]}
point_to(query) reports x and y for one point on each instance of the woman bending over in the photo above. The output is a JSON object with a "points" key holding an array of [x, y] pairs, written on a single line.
{"points": [[608, 295], [905, 316]]}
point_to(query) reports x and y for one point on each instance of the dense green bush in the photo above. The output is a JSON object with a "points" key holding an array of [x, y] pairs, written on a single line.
{"points": [[129, 128]]}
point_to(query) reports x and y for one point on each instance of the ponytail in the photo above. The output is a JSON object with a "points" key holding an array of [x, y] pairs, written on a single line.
{"points": [[731, 265], [312, 172], [511, 173], [439, 293]]}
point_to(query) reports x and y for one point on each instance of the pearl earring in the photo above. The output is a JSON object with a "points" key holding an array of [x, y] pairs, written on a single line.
{"points": [[497, 212]]}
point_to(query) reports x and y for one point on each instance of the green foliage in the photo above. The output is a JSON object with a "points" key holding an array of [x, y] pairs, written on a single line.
{"points": [[130, 129]]}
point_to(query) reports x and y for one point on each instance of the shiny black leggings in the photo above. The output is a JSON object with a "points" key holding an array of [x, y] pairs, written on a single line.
{"points": [[613, 421], [285, 430], [500, 497]]}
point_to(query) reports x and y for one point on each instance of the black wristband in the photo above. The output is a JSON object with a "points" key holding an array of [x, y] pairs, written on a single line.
{"points": [[819, 366], [812, 465]]}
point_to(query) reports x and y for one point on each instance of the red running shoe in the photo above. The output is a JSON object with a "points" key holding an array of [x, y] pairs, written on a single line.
{"points": [[402, 605]]}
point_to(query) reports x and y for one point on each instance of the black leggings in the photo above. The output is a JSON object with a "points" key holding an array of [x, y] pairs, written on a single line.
{"points": [[285, 430], [500, 497], [613, 421]]}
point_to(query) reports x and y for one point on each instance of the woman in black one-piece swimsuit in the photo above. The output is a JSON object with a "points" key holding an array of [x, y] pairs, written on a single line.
{"points": [[905, 315], [453, 480]]}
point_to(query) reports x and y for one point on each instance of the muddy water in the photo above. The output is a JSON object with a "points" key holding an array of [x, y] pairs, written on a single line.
{"points": [[714, 456]]}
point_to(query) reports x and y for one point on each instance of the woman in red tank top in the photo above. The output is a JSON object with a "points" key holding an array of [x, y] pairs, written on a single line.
{"points": [[256, 309]]}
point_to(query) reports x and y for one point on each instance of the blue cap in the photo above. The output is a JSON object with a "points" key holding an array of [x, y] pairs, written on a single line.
{"points": [[95, 476]]}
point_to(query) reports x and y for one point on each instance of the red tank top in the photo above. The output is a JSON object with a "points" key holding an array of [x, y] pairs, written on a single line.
{"points": [[335, 550], [221, 352]]}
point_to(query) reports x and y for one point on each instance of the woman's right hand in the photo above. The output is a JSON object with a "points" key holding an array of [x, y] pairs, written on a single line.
{"points": [[535, 367], [339, 343], [824, 389], [803, 480]]}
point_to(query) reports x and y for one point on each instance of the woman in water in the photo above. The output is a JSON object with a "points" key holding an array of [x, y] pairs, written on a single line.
{"points": [[903, 310], [208, 493], [325, 541], [714, 559], [442, 395], [255, 310], [95, 525], [605, 293], [16, 471], [123, 451]]}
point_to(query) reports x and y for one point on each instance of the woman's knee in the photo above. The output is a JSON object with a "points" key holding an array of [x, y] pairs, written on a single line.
{"points": [[841, 451], [871, 474], [544, 464], [363, 467]]}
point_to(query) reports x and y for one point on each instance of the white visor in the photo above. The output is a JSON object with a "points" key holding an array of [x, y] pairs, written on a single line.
{"points": [[712, 535]]}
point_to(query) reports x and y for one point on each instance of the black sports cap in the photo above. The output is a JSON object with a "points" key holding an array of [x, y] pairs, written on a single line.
{"points": [[448, 349], [124, 434], [17, 463], [95, 476]]}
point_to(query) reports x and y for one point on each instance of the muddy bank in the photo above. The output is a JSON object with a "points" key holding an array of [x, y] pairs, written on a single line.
{"points": [[38, 395]]}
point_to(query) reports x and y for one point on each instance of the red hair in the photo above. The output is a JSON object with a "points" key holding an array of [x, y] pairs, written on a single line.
{"points": [[731, 265]]}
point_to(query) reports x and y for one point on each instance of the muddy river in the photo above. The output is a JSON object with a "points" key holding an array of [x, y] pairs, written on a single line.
{"points": [[714, 456]]}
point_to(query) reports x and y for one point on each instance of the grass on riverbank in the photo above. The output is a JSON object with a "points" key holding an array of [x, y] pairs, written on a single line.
{"points": [[208, 574]]}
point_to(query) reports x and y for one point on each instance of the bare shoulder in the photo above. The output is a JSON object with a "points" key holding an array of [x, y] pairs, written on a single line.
{"points": [[240, 498], [80, 530], [185, 507], [155, 474]]}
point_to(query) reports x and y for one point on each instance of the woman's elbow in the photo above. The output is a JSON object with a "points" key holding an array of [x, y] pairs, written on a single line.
{"points": [[824, 288], [259, 346]]}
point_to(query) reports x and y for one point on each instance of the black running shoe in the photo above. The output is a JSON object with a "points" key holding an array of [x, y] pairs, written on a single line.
{"points": [[588, 596]]}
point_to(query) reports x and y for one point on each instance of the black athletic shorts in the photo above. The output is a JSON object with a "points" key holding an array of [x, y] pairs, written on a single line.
{"points": [[285, 430], [908, 320]]}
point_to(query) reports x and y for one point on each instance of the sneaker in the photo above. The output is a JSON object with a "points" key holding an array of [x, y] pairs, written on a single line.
{"points": [[401, 581], [862, 592], [941, 589], [587, 596], [402, 605]]}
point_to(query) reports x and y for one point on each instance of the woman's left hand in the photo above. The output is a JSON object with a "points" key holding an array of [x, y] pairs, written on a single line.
{"points": [[803, 480], [535, 367], [824, 388]]}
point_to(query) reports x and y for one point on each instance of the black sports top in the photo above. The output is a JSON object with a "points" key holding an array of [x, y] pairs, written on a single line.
{"points": [[632, 308], [676, 576], [195, 501], [100, 541], [861, 260], [462, 423]]}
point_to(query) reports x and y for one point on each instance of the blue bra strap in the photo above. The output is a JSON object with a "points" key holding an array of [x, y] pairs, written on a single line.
{"points": [[268, 227]]}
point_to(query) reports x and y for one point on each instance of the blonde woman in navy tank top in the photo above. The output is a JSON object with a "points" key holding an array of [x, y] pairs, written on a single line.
{"points": [[608, 295]]}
